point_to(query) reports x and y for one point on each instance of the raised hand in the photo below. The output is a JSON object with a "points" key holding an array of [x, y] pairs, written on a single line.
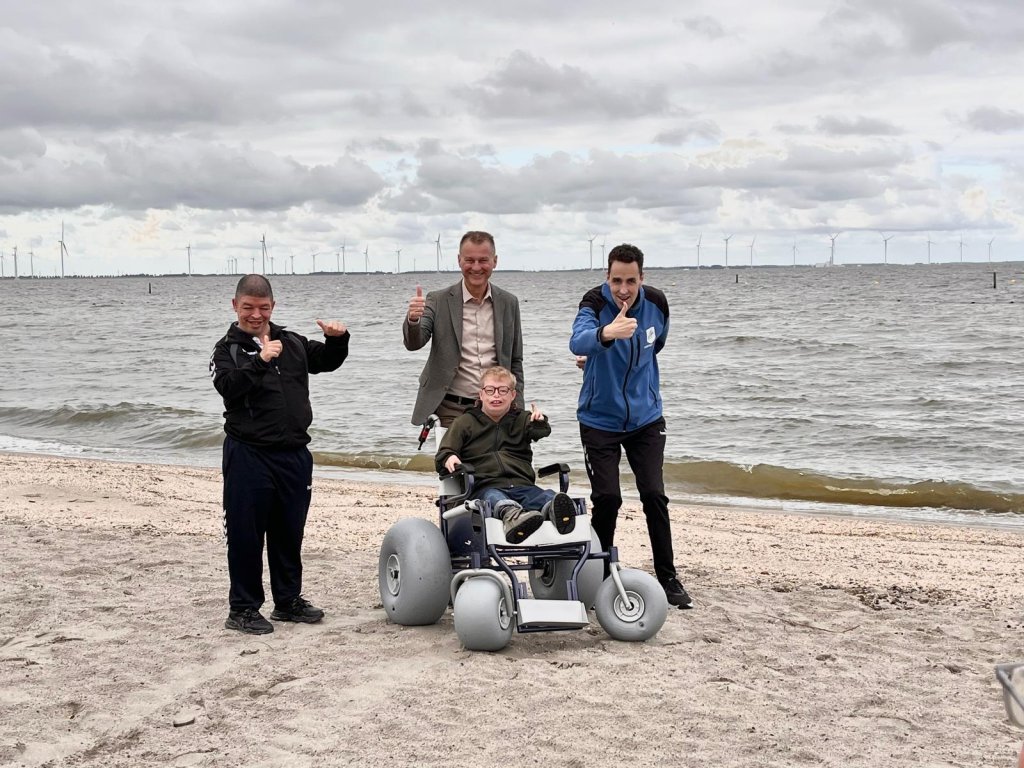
{"points": [[452, 462], [416, 304], [271, 349], [622, 327], [332, 328], [535, 414]]}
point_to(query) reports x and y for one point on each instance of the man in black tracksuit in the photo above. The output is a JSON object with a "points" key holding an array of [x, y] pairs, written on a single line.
{"points": [[262, 372]]}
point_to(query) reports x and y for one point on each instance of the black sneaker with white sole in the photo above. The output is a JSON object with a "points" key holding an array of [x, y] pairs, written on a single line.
{"points": [[677, 594], [250, 621], [299, 609]]}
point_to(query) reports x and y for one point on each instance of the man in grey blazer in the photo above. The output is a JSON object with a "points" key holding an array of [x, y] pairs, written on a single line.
{"points": [[471, 326]]}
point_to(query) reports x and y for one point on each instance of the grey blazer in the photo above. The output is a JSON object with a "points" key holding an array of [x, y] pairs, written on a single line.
{"points": [[441, 324]]}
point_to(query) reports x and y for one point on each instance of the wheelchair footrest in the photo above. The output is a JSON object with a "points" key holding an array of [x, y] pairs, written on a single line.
{"points": [[551, 613]]}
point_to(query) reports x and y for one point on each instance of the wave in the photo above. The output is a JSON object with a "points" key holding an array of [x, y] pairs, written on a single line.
{"points": [[67, 415], [765, 481]]}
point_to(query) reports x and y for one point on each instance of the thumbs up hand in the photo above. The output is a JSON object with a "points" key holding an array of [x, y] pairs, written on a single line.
{"points": [[416, 304], [271, 349], [622, 327]]}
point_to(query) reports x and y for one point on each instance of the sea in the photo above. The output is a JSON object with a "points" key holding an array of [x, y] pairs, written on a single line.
{"points": [[890, 391]]}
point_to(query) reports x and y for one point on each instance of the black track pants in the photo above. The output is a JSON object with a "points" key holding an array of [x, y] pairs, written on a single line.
{"points": [[266, 496], [645, 452]]}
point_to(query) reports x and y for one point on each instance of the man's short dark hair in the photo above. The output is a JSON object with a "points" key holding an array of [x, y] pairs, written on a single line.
{"points": [[254, 285], [478, 237], [628, 254]]}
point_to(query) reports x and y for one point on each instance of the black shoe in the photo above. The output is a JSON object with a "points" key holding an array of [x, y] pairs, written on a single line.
{"points": [[562, 512], [521, 523], [250, 621], [299, 609], [676, 594]]}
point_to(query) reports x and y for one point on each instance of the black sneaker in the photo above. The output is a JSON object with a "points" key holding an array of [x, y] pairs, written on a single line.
{"points": [[677, 594], [250, 621], [521, 523], [563, 513], [299, 609]]}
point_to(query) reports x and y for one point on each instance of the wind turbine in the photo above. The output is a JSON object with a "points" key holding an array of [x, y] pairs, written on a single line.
{"points": [[438, 251], [591, 241], [603, 262], [794, 253], [314, 255], [1, 264], [253, 260], [832, 253], [398, 255], [752, 249], [293, 263], [32, 264], [271, 265], [63, 248], [15, 262], [727, 239], [885, 245], [343, 267], [188, 250], [990, 249], [366, 260], [929, 249], [699, 238], [961, 247], [263, 242]]}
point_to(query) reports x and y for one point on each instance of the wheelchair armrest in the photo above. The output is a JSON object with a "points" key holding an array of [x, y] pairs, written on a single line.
{"points": [[563, 474], [463, 477]]}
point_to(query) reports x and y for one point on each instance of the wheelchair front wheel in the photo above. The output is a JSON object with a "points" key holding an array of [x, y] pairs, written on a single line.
{"points": [[414, 572], [640, 617], [483, 618]]}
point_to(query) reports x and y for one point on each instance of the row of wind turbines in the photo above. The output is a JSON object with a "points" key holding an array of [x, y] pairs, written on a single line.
{"points": [[31, 259], [340, 254], [832, 249]]}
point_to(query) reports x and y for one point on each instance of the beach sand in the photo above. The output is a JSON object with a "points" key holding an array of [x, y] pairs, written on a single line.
{"points": [[814, 641]]}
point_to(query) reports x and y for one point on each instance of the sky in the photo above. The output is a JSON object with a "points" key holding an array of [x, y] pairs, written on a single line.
{"points": [[172, 136]]}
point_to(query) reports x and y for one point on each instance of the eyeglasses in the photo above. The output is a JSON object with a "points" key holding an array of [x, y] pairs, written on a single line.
{"points": [[497, 390]]}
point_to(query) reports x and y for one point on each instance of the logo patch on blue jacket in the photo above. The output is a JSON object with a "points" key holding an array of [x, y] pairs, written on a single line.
{"points": [[651, 336]]}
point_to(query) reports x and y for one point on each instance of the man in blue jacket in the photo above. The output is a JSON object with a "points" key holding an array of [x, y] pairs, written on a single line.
{"points": [[621, 327]]}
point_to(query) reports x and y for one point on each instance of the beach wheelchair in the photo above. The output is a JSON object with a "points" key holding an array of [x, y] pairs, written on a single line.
{"points": [[465, 561]]}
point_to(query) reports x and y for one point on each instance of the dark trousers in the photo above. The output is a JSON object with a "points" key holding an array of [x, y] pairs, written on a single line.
{"points": [[266, 496], [645, 452]]}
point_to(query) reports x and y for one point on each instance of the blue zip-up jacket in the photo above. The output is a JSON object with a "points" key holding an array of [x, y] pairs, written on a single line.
{"points": [[620, 390]]}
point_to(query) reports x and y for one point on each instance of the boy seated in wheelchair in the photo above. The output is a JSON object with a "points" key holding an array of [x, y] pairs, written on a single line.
{"points": [[495, 438]]}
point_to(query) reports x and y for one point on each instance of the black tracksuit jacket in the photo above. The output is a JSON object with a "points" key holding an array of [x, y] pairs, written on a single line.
{"points": [[267, 404]]}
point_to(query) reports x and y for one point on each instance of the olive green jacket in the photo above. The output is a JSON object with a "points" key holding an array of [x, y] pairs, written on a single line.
{"points": [[500, 452]]}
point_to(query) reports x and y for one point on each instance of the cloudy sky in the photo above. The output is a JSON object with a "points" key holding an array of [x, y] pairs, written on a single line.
{"points": [[149, 127]]}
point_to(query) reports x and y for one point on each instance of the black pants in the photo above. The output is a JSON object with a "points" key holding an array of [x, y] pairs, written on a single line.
{"points": [[266, 495], [645, 452]]}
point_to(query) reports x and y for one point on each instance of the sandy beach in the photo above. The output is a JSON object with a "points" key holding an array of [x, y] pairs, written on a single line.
{"points": [[815, 641]]}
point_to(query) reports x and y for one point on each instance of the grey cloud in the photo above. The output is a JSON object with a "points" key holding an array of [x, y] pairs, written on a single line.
{"points": [[158, 84], [697, 129], [994, 120], [805, 176], [137, 176], [856, 126], [704, 25], [526, 87], [21, 144]]}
